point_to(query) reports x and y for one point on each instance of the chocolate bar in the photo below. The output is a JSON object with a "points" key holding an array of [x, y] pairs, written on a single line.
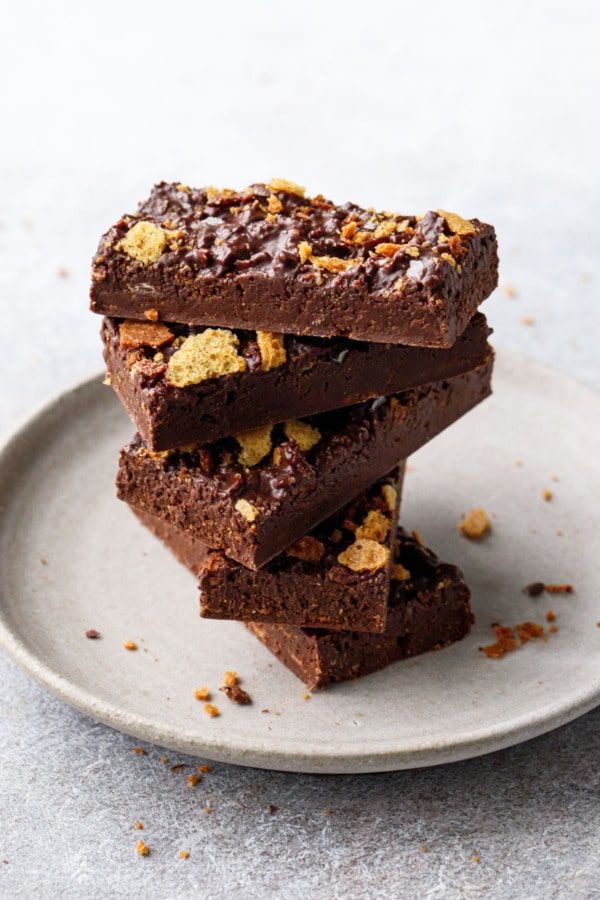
{"points": [[272, 259], [428, 609], [234, 381], [255, 494], [337, 576]]}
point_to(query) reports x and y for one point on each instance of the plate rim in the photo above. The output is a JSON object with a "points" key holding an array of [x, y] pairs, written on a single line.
{"points": [[329, 760]]}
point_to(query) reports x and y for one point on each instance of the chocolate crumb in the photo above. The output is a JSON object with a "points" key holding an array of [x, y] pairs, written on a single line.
{"points": [[177, 767], [534, 589], [272, 809], [92, 634], [236, 693]]}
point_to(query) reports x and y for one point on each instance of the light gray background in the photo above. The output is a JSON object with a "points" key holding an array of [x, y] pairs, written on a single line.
{"points": [[486, 109]]}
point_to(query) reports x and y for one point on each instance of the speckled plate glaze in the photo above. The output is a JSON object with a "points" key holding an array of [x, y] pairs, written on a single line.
{"points": [[72, 558]]}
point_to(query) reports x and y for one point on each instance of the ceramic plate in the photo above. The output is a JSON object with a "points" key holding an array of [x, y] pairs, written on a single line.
{"points": [[72, 558]]}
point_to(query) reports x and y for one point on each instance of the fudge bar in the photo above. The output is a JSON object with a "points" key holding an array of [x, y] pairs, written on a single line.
{"points": [[337, 576], [428, 609], [186, 384], [254, 494], [273, 259]]}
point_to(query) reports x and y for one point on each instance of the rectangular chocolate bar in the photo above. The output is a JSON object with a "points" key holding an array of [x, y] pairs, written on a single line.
{"points": [[337, 576], [255, 494], [272, 259], [186, 384], [428, 609]]}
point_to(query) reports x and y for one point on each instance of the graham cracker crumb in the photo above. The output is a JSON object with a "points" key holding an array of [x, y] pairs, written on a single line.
{"points": [[164, 759], [204, 769], [193, 780], [288, 187], [547, 495], [413, 251], [374, 527], [387, 250], [305, 435], [183, 188], [245, 508], [505, 642], [210, 354], [327, 812], [230, 678], [364, 555], [307, 548], [183, 854], [144, 242], [509, 290], [306, 696], [207, 809], [202, 693], [142, 849], [304, 252], [475, 524], [550, 616], [139, 750], [456, 224], [211, 710], [560, 588], [449, 259], [274, 204], [139, 826], [349, 230], [130, 645], [272, 349], [399, 573], [475, 859], [255, 444], [92, 634], [334, 263], [236, 693], [527, 320], [390, 495], [151, 314], [143, 334], [527, 631]]}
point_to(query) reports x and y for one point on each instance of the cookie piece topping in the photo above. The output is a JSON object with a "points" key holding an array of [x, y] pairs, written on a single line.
{"points": [[245, 508], [144, 242], [307, 548], [364, 555], [210, 354], [272, 349], [133, 335], [456, 224], [255, 444], [374, 527], [305, 435]]}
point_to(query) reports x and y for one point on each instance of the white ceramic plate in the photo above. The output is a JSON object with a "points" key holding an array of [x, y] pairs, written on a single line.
{"points": [[72, 557]]}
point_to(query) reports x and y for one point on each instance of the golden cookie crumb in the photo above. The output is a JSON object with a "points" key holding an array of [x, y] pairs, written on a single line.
{"points": [[164, 759], [560, 588], [349, 230], [456, 224], [413, 251], [230, 678], [130, 645], [151, 314], [107, 380], [272, 349], [139, 750], [288, 187], [505, 642], [307, 548], [527, 631], [509, 290], [211, 710], [210, 354], [305, 435], [202, 693], [144, 242], [207, 809], [245, 508], [390, 495], [327, 812], [527, 320], [142, 849], [204, 769], [449, 259], [274, 204], [139, 826], [304, 252], [475, 524], [255, 444], [399, 573], [183, 854], [547, 495], [550, 616], [183, 188], [306, 696], [375, 526], [193, 780], [334, 263], [143, 334], [475, 859], [387, 249], [364, 555]]}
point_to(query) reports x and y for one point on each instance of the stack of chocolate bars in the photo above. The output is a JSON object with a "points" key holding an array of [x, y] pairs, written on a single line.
{"points": [[281, 357]]}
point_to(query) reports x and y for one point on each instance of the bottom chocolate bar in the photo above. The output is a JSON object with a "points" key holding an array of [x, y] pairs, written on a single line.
{"points": [[428, 609]]}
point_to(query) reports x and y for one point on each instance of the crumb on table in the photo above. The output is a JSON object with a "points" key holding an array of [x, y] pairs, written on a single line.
{"points": [[204, 769], [211, 710], [130, 645], [475, 524], [92, 634], [236, 693], [230, 679], [193, 780], [547, 494], [139, 826], [202, 693], [139, 750], [184, 854], [142, 849]]}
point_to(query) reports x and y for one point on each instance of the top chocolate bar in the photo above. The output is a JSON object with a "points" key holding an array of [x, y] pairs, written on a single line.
{"points": [[270, 258]]}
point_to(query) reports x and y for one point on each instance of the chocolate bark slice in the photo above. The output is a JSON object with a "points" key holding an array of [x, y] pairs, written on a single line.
{"points": [[268, 378], [270, 258], [337, 576], [428, 609], [254, 495]]}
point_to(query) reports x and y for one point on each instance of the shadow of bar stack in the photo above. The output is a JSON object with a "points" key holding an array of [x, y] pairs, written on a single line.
{"points": [[281, 357]]}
